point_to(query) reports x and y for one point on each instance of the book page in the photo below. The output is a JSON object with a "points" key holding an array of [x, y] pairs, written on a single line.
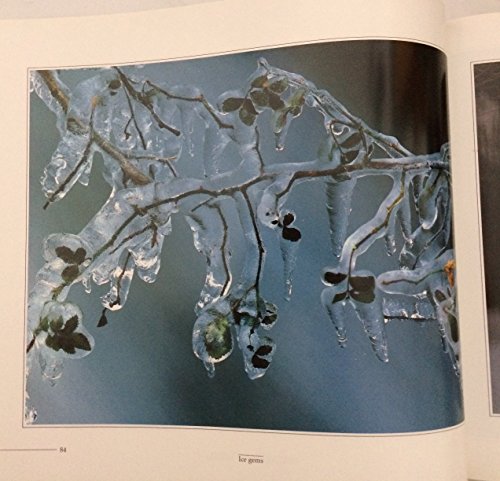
{"points": [[474, 54], [239, 396]]}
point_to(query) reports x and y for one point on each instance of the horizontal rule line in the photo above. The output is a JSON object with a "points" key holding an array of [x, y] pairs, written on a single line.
{"points": [[26, 449], [251, 455]]}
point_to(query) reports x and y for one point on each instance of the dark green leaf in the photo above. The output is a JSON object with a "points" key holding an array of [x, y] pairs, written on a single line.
{"points": [[217, 338], [280, 122], [249, 107], [114, 84], [70, 326], [246, 117], [270, 314], [439, 296], [263, 350], [51, 341], [80, 255], [259, 82], [333, 278], [103, 320], [70, 273], [57, 324], [291, 234], [268, 320], [288, 219], [260, 98], [340, 296], [231, 104], [67, 344], [275, 101], [279, 86], [260, 363], [362, 296], [44, 324], [66, 254], [362, 283], [80, 341], [298, 98]]}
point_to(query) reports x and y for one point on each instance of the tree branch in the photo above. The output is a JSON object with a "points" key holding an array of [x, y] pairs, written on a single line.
{"points": [[129, 170]]}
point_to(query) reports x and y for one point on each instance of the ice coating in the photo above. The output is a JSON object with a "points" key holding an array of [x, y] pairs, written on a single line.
{"points": [[120, 281], [254, 257], [169, 150], [210, 236], [364, 237], [59, 335], [73, 156], [212, 334], [42, 89], [272, 199]]}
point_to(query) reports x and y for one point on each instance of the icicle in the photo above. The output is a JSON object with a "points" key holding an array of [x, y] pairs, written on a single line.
{"points": [[404, 217], [71, 159], [289, 255], [188, 113], [121, 279], [51, 366], [338, 206], [210, 234], [147, 256], [254, 258], [214, 144], [390, 236], [372, 317], [364, 237], [446, 311], [282, 122], [427, 198], [333, 301]]}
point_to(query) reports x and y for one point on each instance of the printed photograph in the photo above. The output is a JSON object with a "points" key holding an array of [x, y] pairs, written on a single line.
{"points": [[258, 240], [487, 97]]}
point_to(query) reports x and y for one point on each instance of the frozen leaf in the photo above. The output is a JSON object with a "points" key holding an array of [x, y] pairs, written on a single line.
{"points": [[279, 86], [212, 335], [260, 98], [275, 101], [247, 117], [231, 104], [259, 81]]}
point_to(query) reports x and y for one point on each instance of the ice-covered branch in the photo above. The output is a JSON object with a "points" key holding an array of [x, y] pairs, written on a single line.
{"points": [[143, 130]]}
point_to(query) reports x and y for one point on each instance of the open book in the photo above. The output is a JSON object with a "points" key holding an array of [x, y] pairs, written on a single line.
{"points": [[318, 185]]}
